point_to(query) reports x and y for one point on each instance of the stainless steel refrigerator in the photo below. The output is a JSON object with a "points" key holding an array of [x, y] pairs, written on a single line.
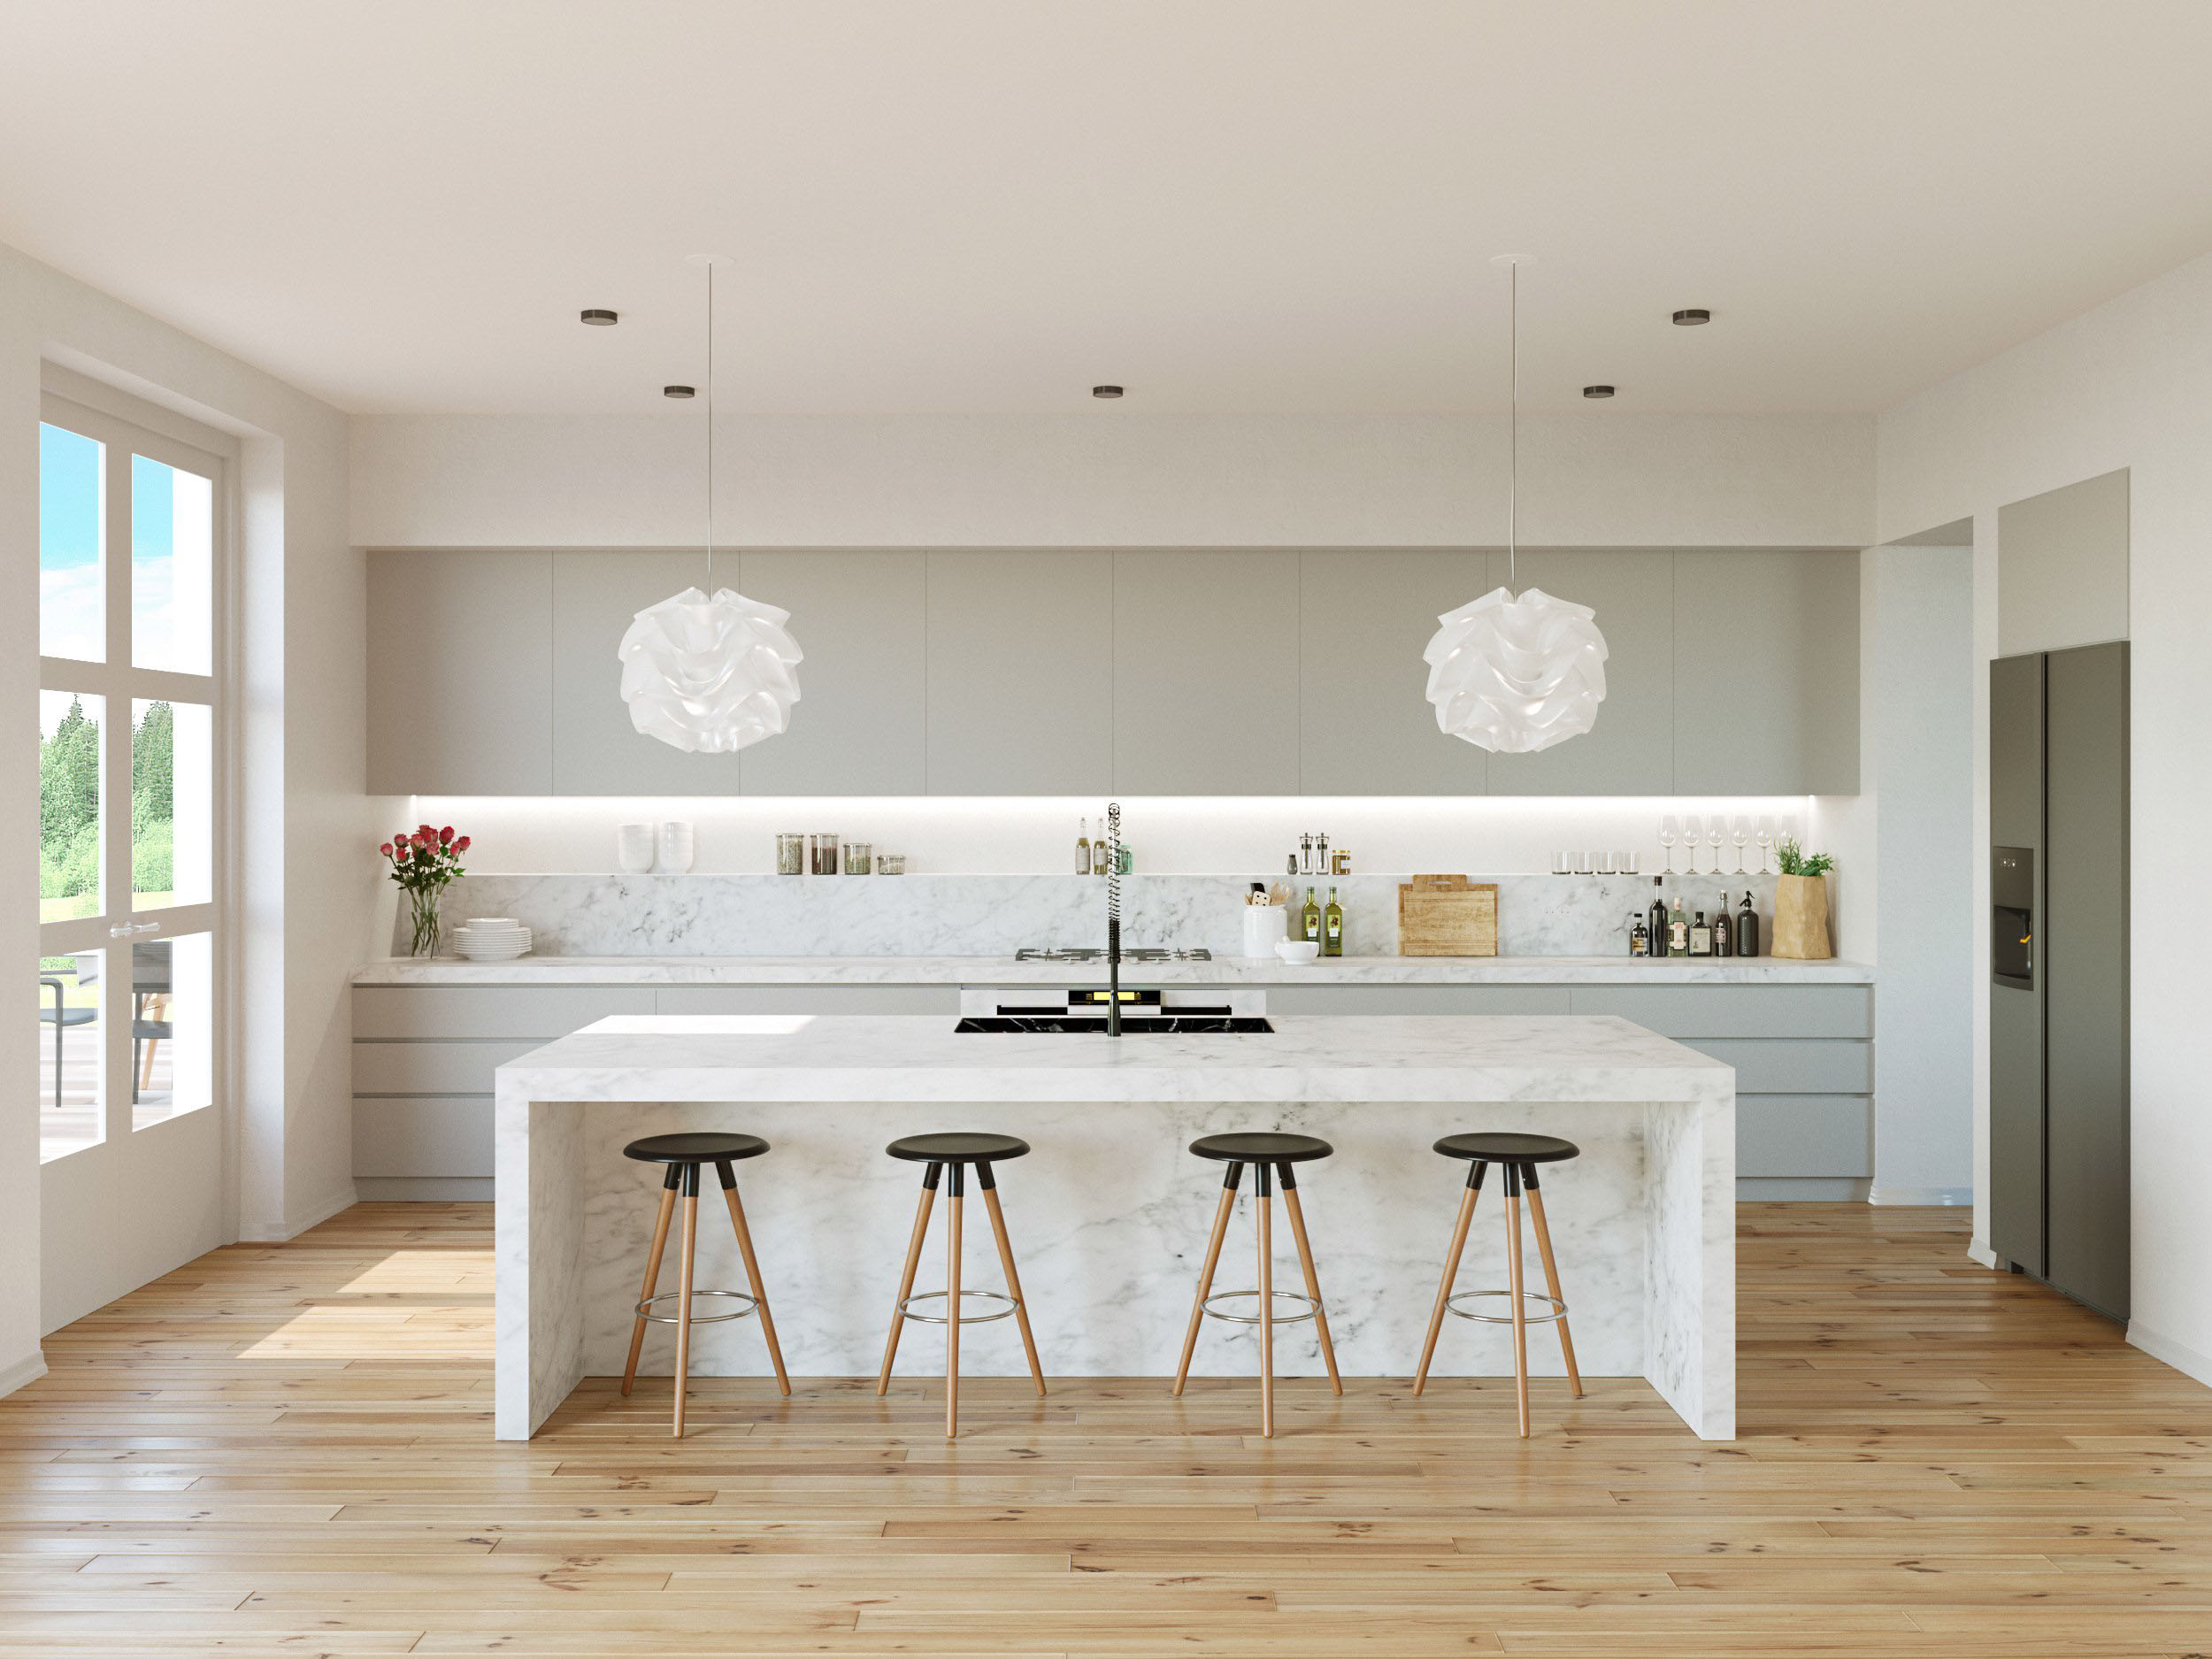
{"points": [[2058, 1000]]}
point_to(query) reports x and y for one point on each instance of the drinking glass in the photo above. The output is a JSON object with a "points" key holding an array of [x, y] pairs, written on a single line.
{"points": [[1789, 832], [1765, 838], [1740, 832], [1693, 832], [1582, 863], [1716, 837], [1670, 833], [1631, 863], [1608, 864], [1562, 863]]}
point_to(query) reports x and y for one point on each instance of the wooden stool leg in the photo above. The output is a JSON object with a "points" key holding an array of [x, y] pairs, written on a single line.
{"points": [[752, 1273], [1475, 1172], [1313, 1280], [1013, 1279], [906, 1279], [652, 1273], [1262, 1191], [952, 1307], [1513, 1276], [1206, 1273], [683, 1297], [1551, 1276]]}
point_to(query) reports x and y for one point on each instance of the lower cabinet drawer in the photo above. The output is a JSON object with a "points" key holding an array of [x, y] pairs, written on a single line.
{"points": [[1780, 1066], [1416, 999], [1779, 1135], [431, 1068], [429, 1135]]}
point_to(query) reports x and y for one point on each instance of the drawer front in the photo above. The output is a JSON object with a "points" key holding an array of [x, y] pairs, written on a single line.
{"points": [[1772, 1066], [807, 999], [1682, 1011], [431, 1068], [1799, 1136], [541, 1012], [433, 1135], [1416, 999]]}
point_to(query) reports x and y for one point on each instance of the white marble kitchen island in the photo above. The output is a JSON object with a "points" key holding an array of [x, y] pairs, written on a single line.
{"points": [[1109, 1213]]}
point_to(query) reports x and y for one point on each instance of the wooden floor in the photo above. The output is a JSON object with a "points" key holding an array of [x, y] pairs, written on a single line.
{"points": [[286, 1450]]}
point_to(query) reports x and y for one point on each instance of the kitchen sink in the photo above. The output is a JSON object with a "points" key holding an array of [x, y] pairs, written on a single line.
{"points": [[1095, 1024]]}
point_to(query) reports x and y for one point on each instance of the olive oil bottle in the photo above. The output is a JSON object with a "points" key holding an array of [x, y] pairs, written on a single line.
{"points": [[1310, 919], [1332, 928]]}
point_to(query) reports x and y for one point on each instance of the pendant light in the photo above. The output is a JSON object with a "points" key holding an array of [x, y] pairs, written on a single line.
{"points": [[710, 675], [1514, 675]]}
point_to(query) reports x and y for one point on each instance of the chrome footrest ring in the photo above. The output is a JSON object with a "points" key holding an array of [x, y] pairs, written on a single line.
{"points": [[751, 1306], [1311, 1307], [1007, 1312], [1554, 1308]]}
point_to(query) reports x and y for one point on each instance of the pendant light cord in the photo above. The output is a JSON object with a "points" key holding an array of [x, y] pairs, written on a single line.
{"points": [[1512, 430], [709, 430]]}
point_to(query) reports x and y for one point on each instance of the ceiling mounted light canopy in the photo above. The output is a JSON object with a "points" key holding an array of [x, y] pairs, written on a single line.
{"points": [[1515, 675], [1693, 317], [1105, 391], [1597, 391], [713, 675], [597, 319]]}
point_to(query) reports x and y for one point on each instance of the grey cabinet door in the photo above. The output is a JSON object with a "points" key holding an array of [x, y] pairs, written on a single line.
{"points": [[596, 749], [1021, 673], [1205, 673], [460, 673], [1366, 727], [858, 727], [1766, 672], [1631, 748]]}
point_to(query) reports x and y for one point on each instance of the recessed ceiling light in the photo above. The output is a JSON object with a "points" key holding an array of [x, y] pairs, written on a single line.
{"points": [[598, 318], [676, 391], [1597, 391], [1691, 319], [1105, 391]]}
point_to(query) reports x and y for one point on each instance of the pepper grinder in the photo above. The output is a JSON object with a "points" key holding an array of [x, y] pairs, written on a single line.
{"points": [[1321, 854], [1305, 854]]}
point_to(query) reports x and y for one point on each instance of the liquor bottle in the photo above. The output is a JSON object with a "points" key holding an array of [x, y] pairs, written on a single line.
{"points": [[1083, 847], [1658, 922], [1332, 928], [1747, 929], [1677, 931], [1638, 935], [1310, 919], [1701, 937], [1724, 928], [1102, 856]]}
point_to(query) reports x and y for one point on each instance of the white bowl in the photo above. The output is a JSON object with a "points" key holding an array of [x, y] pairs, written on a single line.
{"points": [[1297, 952]]}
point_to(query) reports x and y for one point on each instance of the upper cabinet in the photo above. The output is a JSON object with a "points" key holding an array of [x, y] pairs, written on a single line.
{"points": [[1766, 672], [1020, 695], [1079, 672], [1205, 673]]}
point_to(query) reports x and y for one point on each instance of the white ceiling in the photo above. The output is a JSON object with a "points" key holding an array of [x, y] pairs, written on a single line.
{"points": [[960, 205]]}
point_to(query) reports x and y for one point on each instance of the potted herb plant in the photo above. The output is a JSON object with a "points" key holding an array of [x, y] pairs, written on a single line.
{"points": [[1800, 903], [422, 863]]}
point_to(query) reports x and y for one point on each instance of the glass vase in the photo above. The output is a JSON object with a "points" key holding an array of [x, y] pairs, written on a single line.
{"points": [[423, 911]]}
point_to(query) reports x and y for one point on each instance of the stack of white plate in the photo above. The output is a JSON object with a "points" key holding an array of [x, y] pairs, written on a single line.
{"points": [[492, 938]]}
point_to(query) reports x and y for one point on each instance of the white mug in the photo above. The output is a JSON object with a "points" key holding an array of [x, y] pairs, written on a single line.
{"points": [[633, 848], [677, 847]]}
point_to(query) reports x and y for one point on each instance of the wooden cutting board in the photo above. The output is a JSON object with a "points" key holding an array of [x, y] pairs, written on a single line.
{"points": [[1448, 915]]}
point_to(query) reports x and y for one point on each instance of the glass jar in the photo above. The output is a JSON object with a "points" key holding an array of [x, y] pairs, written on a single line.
{"points": [[859, 858], [825, 852], [791, 855], [891, 865]]}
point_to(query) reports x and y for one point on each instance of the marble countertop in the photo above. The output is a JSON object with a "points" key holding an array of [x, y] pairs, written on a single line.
{"points": [[1306, 1058], [1005, 970]]}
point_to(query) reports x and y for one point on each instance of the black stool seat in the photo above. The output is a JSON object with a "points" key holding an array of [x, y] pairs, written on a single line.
{"points": [[960, 1146], [699, 1148], [1261, 1147], [1508, 1149]]}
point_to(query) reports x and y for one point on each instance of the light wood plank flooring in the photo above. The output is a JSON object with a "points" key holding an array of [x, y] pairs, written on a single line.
{"points": [[286, 1450]]}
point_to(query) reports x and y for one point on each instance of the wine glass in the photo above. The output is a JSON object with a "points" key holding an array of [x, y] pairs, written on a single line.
{"points": [[1693, 832], [1670, 833], [1789, 832], [1740, 832], [1716, 837], [1765, 838]]}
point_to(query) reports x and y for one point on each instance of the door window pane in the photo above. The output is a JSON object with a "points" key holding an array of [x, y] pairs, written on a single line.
{"points": [[72, 1047], [173, 568], [72, 539], [173, 803], [69, 793], [172, 1050]]}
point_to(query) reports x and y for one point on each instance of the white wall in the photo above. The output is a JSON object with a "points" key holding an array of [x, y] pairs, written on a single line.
{"points": [[307, 899], [2121, 386], [1105, 478]]}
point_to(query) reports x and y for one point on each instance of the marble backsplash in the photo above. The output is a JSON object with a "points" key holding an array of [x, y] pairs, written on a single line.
{"points": [[994, 915]]}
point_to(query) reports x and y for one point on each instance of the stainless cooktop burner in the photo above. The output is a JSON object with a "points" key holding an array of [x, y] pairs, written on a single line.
{"points": [[1134, 953]]}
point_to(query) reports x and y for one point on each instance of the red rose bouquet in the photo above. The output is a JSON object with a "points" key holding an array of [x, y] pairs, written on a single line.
{"points": [[422, 863]]}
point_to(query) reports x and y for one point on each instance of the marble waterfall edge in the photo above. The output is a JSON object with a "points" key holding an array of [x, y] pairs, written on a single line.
{"points": [[997, 915]]}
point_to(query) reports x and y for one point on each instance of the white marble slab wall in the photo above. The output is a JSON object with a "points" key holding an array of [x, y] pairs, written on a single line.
{"points": [[996, 915]]}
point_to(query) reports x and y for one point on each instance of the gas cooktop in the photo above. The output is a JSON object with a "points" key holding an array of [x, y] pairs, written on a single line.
{"points": [[1133, 953]]}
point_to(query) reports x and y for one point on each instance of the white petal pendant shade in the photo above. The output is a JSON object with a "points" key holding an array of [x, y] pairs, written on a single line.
{"points": [[710, 676], [1517, 675]]}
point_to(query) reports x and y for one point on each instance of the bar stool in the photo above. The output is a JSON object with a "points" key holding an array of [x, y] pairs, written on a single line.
{"points": [[1270, 1156], [1519, 1154], [683, 1154], [955, 1151]]}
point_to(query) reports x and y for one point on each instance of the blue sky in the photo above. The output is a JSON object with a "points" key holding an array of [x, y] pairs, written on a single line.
{"points": [[71, 613]]}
